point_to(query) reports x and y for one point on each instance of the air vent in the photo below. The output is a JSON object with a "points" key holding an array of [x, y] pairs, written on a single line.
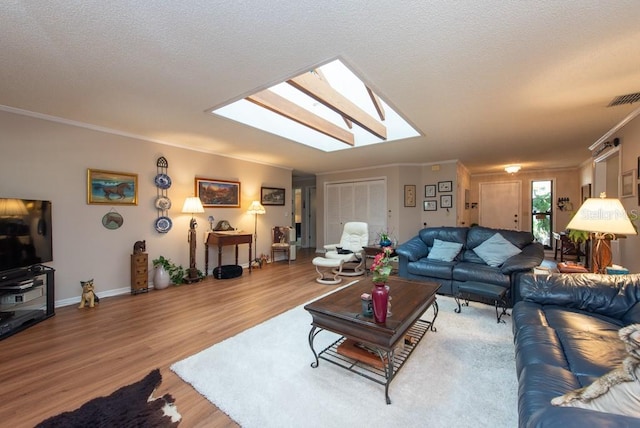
{"points": [[625, 99]]}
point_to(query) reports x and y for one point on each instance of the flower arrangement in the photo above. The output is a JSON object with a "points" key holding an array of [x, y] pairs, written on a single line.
{"points": [[381, 266], [385, 237]]}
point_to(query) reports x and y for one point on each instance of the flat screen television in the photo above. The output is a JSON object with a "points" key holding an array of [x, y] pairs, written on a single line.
{"points": [[25, 233]]}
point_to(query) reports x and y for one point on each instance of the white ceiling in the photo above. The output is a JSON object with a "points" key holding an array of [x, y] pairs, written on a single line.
{"points": [[489, 82]]}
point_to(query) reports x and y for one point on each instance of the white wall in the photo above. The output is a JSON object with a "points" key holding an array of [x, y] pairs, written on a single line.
{"points": [[41, 159]]}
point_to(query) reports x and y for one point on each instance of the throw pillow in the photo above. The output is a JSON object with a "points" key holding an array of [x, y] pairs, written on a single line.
{"points": [[615, 392], [444, 250], [496, 250]]}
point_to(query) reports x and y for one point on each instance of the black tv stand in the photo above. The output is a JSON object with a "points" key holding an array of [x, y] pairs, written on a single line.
{"points": [[26, 298]]}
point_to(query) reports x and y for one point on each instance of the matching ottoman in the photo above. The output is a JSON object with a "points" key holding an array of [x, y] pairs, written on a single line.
{"points": [[325, 267]]}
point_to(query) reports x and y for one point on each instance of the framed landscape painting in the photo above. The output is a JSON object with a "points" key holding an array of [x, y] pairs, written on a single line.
{"points": [[271, 196], [218, 193], [112, 188]]}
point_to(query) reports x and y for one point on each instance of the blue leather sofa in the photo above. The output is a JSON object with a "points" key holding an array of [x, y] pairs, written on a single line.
{"points": [[565, 333], [467, 267]]}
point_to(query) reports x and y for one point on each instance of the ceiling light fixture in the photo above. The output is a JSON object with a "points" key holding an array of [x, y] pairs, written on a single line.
{"points": [[512, 169]]}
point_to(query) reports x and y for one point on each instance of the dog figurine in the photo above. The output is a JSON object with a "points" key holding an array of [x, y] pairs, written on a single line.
{"points": [[88, 295], [630, 335]]}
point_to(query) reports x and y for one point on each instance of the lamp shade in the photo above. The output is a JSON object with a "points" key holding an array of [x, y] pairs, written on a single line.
{"points": [[12, 208], [602, 215], [192, 205], [256, 208]]}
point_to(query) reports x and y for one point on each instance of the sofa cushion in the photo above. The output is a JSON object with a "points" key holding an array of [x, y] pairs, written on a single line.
{"points": [[590, 355], [537, 385], [432, 268], [538, 344], [444, 250], [496, 250], [478, 234], [449, 234], [464, 271]]}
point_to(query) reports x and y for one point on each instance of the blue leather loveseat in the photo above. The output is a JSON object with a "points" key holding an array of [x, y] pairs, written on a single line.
{"points": [[566, 336], [417, 259]]}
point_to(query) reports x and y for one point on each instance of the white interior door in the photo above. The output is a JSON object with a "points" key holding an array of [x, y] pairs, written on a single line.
{"points": [[500, 205]]}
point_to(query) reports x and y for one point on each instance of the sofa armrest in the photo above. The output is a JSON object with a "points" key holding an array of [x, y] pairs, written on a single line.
{"points": [[530, 257], [610, 295], [414, 249]]}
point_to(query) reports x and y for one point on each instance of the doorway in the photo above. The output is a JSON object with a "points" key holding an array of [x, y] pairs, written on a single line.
{"points": [[304, 215], [500, 205], [542, 211]]}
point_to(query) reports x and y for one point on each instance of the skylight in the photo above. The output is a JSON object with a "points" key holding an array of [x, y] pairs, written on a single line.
{"points": [[316, 109]]}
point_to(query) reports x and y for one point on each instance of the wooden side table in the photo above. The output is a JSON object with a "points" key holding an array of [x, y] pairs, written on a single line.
{"points": [[139, 273]]}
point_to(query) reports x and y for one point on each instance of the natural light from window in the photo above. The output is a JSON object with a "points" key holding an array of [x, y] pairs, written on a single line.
{"points": [[312, 119]]}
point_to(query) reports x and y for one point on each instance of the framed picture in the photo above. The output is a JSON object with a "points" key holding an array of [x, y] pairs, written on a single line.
{"points": [[430, 191], [218, 193], [445, 186], [271, 196], [627, 184], [446, 201], [430, 205], [112, 188], [409, 195]]}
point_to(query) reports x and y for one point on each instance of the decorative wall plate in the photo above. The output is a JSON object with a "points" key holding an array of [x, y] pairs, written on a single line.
{"points": [[163, 181], [112, 220], [163, 203], [163, 224]]}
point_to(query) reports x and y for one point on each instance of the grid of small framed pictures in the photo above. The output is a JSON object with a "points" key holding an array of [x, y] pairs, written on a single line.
{"points": [[446, 198]]}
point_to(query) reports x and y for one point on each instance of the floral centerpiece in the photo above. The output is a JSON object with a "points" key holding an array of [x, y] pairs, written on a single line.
{"points": [[381, 266], [385, 238]]}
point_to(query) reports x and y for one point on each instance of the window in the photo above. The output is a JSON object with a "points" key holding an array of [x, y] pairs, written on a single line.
{"points": [[541, 211]]}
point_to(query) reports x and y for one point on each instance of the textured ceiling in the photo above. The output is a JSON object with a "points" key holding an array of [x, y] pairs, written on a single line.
{"points": [[487, 82]]}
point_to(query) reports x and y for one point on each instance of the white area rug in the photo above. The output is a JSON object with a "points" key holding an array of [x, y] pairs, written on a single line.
{"points": [[463, 375]]}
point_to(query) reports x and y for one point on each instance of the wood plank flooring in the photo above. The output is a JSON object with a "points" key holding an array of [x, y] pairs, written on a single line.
{"points": [[79, 354]]}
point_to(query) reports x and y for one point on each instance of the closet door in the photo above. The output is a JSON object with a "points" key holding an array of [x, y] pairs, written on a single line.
{"points": [[355, 201]]}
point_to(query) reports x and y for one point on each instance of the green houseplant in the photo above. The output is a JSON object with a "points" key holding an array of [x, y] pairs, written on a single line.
{"points": [[174, 274]]}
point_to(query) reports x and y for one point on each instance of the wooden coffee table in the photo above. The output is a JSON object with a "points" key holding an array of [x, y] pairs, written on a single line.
{"points": [[392, 342]]}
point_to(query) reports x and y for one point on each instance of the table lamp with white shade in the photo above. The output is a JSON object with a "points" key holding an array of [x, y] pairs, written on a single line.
{"points": [[606, 219]]}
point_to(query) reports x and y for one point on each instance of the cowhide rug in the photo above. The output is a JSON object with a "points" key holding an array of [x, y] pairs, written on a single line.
{"points": [[129, 406]]}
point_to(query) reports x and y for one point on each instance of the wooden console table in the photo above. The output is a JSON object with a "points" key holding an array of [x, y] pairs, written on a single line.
{"points": [[224, 239]]}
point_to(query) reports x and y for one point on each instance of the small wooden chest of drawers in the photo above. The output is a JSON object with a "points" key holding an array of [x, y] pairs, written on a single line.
{"points": [[139, 273]]}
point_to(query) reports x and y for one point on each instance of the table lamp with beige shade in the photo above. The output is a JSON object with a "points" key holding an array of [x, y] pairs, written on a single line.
{"points": [[606, 219]]}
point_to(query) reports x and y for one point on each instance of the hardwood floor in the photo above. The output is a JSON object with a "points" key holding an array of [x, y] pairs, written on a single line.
{"points": [[80, 354]]}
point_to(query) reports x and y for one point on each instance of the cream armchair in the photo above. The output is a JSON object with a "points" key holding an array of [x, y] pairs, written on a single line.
{"points": [[355, 236]]}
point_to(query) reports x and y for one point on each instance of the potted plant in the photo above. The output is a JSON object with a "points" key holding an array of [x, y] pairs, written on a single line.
{"points": [[166, 272], [161, 276], [385, 239]]}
